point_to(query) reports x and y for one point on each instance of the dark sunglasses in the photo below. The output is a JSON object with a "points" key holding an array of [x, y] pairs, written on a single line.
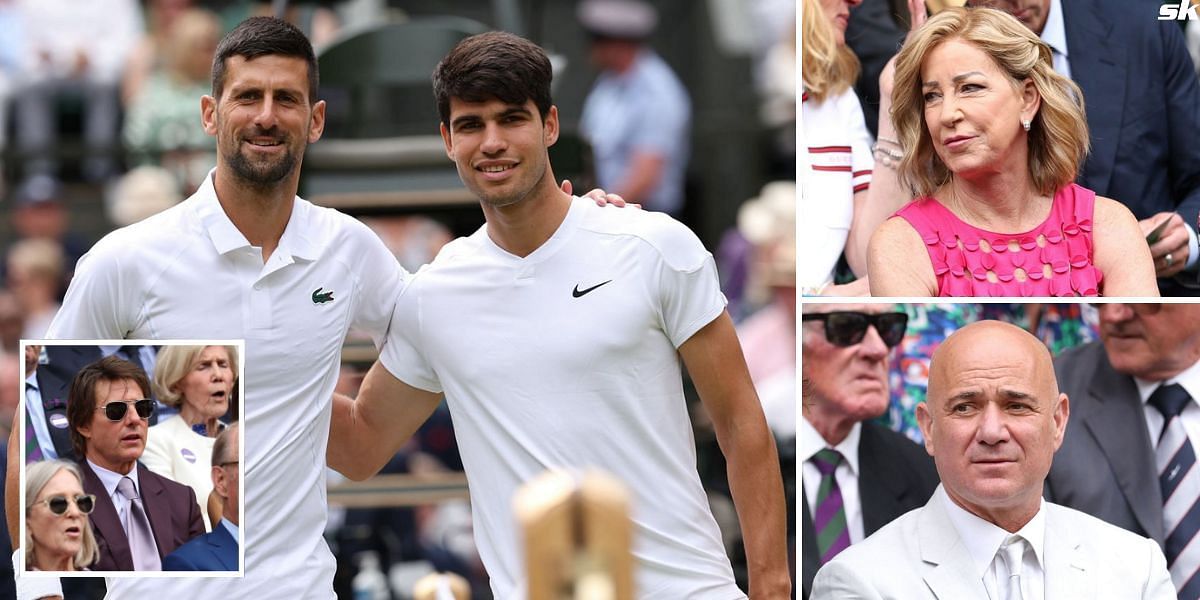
{"points": [[115, 411], [849, 328], [59, 504]]}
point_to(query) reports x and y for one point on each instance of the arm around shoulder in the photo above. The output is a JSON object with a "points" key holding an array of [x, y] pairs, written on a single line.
{"points": [[897, 262], [366, 432], [1120, 252]]}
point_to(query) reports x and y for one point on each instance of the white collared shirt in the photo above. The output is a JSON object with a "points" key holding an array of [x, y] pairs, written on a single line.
{"points": [[983, 539], [846, 474], [1190, 380], [111, 479], [188, 273], [1054, 33]]}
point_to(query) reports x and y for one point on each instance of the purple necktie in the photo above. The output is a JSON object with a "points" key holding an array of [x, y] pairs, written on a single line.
{"points": [[830, 517]]}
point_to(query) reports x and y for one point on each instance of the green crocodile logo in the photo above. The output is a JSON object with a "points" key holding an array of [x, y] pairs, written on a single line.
{"points": [[322, 298]]}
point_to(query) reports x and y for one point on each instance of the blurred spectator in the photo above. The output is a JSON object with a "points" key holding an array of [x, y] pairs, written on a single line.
{"points": [[141, 193], [160, 122], [38, 212], [442, 586], [12, 45], [35, 271], [637, 115], [778, 89], [75, 50], [874, 33], [10, 389], [315, 18], [12, 321], [768, 336], [151, 50]]}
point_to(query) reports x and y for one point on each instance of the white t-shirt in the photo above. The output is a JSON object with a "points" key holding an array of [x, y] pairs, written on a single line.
{"points": [[566, 358], [840, 164], [189, 273]]}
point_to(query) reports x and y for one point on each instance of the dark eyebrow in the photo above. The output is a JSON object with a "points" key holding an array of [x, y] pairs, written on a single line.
{"points": [[458, 121]]}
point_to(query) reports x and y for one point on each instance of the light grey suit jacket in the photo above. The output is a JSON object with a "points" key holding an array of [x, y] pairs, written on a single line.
{"points": [[920, 556]]}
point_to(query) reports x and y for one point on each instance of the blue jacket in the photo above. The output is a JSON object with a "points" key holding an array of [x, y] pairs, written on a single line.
{"points": [[216, 551]]}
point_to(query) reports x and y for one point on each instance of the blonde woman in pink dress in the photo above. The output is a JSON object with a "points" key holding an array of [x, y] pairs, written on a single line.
{"points": [[992, 140]]}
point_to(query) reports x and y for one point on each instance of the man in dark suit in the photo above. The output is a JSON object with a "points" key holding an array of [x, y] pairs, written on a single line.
{"points": [[139, 517], [1134, 422], [216, 551], [1143, 112], [53, 380], [857, 475]]}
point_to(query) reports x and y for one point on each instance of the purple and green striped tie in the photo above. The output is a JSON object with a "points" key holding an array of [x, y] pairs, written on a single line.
{"points": [[33, 452], [829, 519]]}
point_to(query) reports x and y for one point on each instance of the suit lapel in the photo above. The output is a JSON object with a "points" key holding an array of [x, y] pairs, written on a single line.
{"points": [[110, 535], [157, 504], [1065, 563], [1118, 425], [948, 568], [880, 485], [1098, 66], [808, 547]]}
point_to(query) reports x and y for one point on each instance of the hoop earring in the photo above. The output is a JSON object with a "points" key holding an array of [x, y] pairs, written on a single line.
{"points": [[1026, 124]]}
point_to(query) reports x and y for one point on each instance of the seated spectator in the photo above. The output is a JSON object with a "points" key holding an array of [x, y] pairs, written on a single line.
{"points": [[993, 421], [76, 50], [142, 192], [844, 198], [35, 268], [857, 475], [107, 412], [160, 122], [58, 535], [216, 551], [199, 381], [992, 163]]}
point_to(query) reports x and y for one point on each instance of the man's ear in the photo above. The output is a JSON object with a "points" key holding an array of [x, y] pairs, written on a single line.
{"points": [[317, 123], [550, 127], [220, 482], [208, 114], [446, 140]]}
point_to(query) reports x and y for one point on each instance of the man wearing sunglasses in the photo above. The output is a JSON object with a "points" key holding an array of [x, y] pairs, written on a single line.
{"points": [[1135, 428], [992, 420], [857, 475], [139, 517]]}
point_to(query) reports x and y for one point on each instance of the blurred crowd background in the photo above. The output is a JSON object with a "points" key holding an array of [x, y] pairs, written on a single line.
{"points": [[100, 127]]}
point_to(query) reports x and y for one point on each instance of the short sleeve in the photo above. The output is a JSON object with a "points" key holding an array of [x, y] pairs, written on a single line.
{"points": [[102, 301], [402, 355], [662, 123], [689, 291], [381, 280], [862, 163]]}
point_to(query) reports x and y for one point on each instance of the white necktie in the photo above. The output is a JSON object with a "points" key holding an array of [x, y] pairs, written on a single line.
{"points": [[1012, 553]]}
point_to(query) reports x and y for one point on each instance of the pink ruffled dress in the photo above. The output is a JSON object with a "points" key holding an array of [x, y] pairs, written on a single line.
{"points": [[1052, 259]]}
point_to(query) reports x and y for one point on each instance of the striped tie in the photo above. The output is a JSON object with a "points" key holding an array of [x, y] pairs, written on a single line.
{"points": [[830, 517], [33, 452], [1180, 485]]}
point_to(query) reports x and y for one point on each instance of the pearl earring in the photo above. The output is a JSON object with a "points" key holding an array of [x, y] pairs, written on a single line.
{"points": [[1025, 123]]}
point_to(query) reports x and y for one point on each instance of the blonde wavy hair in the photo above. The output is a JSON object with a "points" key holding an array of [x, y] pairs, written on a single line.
{"points": [[37, 475], [827, 67], [1058, 137], [174, 363]]}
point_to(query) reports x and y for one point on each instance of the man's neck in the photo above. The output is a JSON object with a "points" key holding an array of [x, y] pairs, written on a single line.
{"points": [[523, 227], [260, 214]]}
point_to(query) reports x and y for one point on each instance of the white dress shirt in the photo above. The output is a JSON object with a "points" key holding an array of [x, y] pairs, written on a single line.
{"points": [[983, 539], [1190, 380], [846, 474]]}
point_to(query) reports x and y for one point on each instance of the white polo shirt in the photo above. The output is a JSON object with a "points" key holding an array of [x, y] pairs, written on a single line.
{"points": [[189, 273], [840, 164], [566, 358]]}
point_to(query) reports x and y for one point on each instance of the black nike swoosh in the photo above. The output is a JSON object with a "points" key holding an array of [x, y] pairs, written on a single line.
{"points": [[576, 293]]}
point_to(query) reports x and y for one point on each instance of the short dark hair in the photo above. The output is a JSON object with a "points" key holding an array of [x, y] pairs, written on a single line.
{"points": [[81, 396], [490, 65], [264, 36]]}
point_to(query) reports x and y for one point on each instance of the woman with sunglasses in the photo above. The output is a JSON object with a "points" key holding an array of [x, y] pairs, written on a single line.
{"points": [[58, 534], [198, 380]]}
